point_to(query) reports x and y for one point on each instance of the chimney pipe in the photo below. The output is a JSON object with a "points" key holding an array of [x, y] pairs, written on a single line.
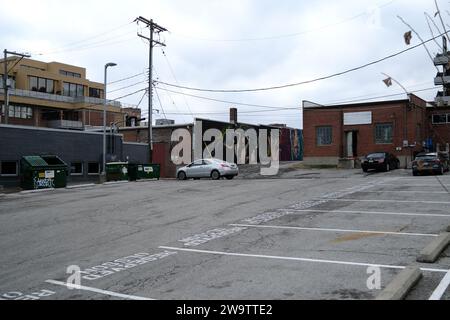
{"points": [[233, 115]]}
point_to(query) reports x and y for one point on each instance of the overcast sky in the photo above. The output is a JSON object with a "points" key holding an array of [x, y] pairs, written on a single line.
{"points": [[233, 44]]}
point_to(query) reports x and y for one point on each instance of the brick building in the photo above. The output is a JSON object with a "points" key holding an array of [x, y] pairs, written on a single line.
{"points": [[291, 139], [340, 134]]}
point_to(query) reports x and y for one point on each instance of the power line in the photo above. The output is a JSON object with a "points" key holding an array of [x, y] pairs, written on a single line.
{"points": [[175, 78], [289, 35], [226, 101], [129, 86], [128, 78], [124, 96], [167, 92], [379, 97], [307, 81], [160, 103], [346, 101], [75, 44]]}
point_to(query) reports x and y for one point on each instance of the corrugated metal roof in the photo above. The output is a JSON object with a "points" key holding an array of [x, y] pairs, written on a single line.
{"points": [[35, 161]]}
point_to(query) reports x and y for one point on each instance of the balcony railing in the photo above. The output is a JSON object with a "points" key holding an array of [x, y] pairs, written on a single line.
{"points": [[66, 124], [441, 59], [441, 79], [59, 98]]}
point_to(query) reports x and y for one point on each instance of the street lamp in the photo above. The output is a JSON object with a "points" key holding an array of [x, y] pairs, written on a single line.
{"points": [[103, 174]]}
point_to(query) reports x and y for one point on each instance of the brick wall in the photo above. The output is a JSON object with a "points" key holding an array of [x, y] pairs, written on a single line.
{"points": [[409, 122]]}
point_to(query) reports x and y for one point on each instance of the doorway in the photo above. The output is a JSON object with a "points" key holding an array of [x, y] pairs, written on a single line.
{"points": [[351, 138]]}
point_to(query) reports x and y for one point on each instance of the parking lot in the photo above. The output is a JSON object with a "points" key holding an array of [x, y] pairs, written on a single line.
{"points": [[307, 236]]}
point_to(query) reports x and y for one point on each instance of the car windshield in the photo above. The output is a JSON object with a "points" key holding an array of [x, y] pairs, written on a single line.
{"points": [[426, 157], [375, 155]]}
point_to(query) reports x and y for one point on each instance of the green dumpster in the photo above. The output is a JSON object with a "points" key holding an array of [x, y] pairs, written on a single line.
{"points": [[43, 172], [133, 171], [116, 171], [148, 171]]}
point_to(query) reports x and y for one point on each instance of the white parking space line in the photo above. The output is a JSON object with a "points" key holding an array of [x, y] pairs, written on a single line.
{"points": [[105, 292], [441, 288], [437, 185], [338, 230], [390, 200], [434, 215], [297, 259], [405, 191]]}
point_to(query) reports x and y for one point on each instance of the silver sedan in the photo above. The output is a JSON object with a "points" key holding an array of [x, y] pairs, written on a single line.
{"points": [[208, 168]]}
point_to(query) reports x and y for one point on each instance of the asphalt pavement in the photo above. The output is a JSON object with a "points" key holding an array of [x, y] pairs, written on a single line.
{"points": [[311, 234]]}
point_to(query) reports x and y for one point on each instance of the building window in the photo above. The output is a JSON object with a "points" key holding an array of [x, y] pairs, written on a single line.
{"points": [[41, 84], [95, 93], [73, 89], [11, 78], [9, 168], [93, 168], [69, 74], [324, 136], [441, 118], [20, 112], [76, 168], [383, 133]]}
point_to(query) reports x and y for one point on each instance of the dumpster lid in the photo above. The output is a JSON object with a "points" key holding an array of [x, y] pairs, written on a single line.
{"points": [[35, 161], [44, 161]]}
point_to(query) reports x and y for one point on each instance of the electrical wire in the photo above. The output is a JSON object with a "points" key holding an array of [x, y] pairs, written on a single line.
{"points": [[226, 101], [307, 81], [160, 103], [129, 86], [127, 78], [175, 78], [277, 109], [76, 44], [283, 36]]}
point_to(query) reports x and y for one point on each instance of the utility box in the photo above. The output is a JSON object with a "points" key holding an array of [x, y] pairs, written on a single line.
{"points": [[116, 171], [149, 171], [43, 172]]}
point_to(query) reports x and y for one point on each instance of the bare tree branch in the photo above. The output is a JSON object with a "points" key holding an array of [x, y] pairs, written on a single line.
{"points": [[440, 18], [427, 18], [420, 38]]}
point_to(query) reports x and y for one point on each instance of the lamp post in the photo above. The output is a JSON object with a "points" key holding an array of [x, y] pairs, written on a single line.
{"points": [[103, 174]]}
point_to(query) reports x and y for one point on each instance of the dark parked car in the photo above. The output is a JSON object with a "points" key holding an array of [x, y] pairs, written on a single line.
{"points": [[430, 162], [380, 161]]}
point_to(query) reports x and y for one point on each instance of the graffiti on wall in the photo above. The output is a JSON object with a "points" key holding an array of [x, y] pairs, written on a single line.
{"points": [[291, 144]]}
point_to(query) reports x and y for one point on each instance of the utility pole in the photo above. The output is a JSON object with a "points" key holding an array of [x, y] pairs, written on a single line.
{"points": [[5, 79], [154, 27]]}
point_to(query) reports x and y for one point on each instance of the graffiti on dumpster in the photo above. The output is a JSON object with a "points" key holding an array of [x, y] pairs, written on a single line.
{"points": [[43, 183]]}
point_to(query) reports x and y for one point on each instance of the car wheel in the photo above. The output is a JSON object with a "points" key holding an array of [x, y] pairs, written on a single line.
{"points": [[229, 177], [215, 175], [181, 175], [365, 169]]}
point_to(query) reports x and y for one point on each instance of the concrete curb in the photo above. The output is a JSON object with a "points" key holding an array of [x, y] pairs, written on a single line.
{"points": [[115, 182], [146, 180], [81, 186], [37, 191], [432, 251], [399, 287]]}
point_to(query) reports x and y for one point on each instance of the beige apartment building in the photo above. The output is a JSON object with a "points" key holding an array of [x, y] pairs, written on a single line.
{"points": [[56, 95]]}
